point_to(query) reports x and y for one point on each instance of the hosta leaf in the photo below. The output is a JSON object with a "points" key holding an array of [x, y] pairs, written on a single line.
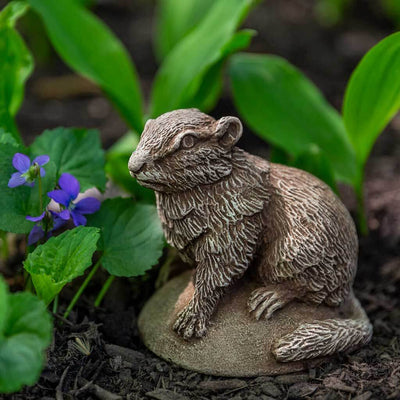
{"points": [[313, 161], [16, 203], [25, 333], [117, 167], [15, 67], [175, 18], [76, 151], [89, 47], [60, 260], [287, 110], [180, 76], [210, 87], [131, 236], [373, 95]]}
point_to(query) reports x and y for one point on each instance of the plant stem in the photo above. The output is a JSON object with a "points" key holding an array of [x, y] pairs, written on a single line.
{"points": [[55, 305], [163, 274], [104, 290], [361, 212], [82, 288], [40, 192], [27, 281]]}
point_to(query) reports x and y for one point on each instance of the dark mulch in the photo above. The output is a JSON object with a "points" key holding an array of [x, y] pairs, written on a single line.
{"points": [[97, 353]]}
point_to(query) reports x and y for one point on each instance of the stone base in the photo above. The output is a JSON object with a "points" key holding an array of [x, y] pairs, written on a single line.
{"points": [[236, 345]]}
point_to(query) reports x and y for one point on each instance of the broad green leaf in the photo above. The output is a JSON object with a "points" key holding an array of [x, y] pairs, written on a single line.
{"points": [[313, 161], [76, 151], [15, 67], [90, 48], [210, 86], [11, 12], [373, 95], [286, 109], [174, 19], [131, 237], [180, 76], [117, 168], [17, 203], [26, 332], [60, 260]]}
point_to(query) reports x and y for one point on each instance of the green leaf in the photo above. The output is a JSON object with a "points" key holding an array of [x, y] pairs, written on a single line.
{"points": [[117, 168], [17, 203], [286, 109], [76, 151], [60, 260], [10, 14], [180, 76], [131, 238], [373, 95], [313, 161], [210, 86], [176, 18], [90, 48], [25, 333], [15, 67]]}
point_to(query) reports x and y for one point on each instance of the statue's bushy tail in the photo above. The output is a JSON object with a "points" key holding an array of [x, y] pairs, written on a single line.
{"points": [[323, 338]]}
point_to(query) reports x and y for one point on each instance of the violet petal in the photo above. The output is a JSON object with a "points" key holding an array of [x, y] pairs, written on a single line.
{"points": [[16, 180], [60, 196], [88, 205], [42, 172], [69, 184], [58, 223], [35, 235], [36, 219], [64, 215], [41, 160], [21, 162], [78, 219]]}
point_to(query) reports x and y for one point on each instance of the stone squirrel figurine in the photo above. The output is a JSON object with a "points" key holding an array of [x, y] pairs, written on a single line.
{"points": [[227, 212]]}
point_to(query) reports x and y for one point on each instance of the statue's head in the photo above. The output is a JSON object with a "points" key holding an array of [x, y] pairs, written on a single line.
{"points": [[183, 149]]}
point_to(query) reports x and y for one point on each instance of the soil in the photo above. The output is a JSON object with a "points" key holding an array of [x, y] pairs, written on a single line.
{"points": [[97, 353]]}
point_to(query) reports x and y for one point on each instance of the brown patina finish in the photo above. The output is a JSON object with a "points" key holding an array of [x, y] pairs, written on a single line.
{"points": [[227, 212]]}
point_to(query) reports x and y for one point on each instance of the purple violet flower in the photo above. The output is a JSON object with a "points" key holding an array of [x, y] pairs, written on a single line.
{"points": [[37, 231], [48, 218], [27, 171], [67, 194]]}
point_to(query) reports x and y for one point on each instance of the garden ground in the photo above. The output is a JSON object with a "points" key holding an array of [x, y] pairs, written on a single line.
{"points": [[97, 353]]}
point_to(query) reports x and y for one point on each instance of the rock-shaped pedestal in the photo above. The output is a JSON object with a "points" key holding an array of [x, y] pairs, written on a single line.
{"points": [[236, 344]]}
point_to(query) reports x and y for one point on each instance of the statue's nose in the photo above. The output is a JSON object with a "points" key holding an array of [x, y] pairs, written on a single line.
{"points": [[136, 162]]}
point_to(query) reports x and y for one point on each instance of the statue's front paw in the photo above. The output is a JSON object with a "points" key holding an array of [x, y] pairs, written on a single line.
{"points": [[188, 324]]}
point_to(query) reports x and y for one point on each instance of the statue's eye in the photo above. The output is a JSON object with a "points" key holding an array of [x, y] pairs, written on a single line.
{"points": [[188, 141]]}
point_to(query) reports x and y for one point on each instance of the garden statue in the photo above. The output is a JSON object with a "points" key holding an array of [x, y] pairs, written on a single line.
{"points": [[264, 239]]}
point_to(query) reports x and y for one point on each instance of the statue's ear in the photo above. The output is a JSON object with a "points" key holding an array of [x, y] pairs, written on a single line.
{"points": [[229, 130]]}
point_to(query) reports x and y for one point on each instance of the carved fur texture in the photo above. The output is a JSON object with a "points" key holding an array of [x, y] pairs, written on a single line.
{"points": [[227, 212]]}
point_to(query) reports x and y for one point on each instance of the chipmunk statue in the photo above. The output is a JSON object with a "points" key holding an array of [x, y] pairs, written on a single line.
{"points": [[227, 212]]}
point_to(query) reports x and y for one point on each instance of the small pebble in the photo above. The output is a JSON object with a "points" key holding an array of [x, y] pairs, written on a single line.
{"points": [[271, 389], [301, 390]]}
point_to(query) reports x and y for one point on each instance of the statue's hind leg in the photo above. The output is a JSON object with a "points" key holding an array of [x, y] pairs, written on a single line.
{"points": [[264, 301]]}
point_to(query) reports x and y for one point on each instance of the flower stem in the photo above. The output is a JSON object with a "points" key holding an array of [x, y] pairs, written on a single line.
{"points": [[104, 290], [55, 305], [82, 288], [40, 192]]}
